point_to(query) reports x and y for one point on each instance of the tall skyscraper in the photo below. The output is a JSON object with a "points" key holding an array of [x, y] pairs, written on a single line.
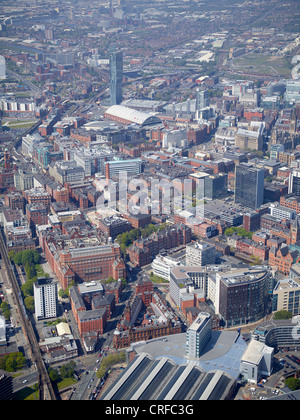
{"points": [[2, 67], [249, 186], [202, 99], [116, 77]]}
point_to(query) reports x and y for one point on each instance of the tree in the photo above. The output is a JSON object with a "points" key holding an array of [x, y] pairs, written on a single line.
{"points": [[283, 315], [293, 383], [62, 294], [36, 256], [53, 374], [5, 309], [27, 257], [18, 258], [29, 303], [67, 371], [11, 365], [30, 270], [20, 360]]}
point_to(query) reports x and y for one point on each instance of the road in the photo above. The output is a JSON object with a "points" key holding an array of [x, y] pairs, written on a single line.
{"points": [[89, 379], [35, 90]]}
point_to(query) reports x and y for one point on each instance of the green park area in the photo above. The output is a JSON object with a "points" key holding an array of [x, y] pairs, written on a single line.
{"points": [[264, 63], [22, 123]]}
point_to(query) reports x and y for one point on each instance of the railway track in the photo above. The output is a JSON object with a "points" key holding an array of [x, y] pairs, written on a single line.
{"points": [[46, 391]]}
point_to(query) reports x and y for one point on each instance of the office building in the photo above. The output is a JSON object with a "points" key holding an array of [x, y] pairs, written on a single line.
{"points": [[113, 226], [286, 296], [241, 295], [198, 335], [279, 334], [116, 77], [257, 362], [249, 186], [292, 93], [216, 186], [45, 298], [251, 137], [36, 214], [281, 212], [294, 183], [92, 321], [162, 266], [6, 387], [251, 221], [130, 166], [66, 171], [200, 254]]}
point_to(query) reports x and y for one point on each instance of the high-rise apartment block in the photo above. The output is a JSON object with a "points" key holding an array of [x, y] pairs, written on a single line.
{"points": [[45, 298], [116, 77]]}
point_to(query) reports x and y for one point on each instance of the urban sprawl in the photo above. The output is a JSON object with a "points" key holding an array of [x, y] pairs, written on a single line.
{"points": [[150, 200]]}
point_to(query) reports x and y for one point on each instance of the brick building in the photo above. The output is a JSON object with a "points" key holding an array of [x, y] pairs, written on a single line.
{"points": [[84, 259], [36, 214], [143, 250], [106, 302], [251, 221], [14, 200], [158, 320], [7, 174], [291, 201], [38, 195], [113, 226], [283, 258], [248, 247], [92, 321]]}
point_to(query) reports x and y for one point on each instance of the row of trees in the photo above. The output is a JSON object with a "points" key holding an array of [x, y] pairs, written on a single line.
{"points": [[29, 256], [109, 361], [29, 259]]}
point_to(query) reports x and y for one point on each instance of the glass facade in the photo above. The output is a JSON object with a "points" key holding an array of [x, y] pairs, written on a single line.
{"points": [[244, 302], [249, 186], [116, 77]]}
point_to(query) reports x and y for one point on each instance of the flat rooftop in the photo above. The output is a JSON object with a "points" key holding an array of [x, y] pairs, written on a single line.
{"points": [[224, 351]]}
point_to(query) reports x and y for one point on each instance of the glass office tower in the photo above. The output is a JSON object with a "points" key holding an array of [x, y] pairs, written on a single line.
{"points": [[249, 186]]}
